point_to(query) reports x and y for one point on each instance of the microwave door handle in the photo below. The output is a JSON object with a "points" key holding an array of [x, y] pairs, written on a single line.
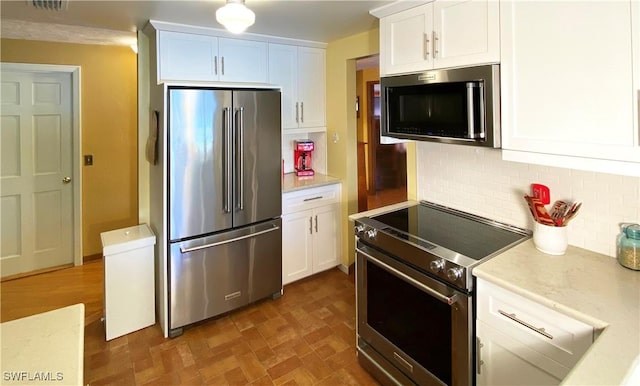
{"points": [[470, 112], [481, 96]]}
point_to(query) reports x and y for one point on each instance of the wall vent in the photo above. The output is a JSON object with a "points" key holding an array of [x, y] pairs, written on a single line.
{"points": [[52, 5]]}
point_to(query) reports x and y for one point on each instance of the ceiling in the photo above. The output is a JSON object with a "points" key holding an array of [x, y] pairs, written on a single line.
{"points": [[115, 22]]}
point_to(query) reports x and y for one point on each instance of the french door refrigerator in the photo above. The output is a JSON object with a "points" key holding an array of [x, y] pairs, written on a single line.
{"points": [[224, 176]]}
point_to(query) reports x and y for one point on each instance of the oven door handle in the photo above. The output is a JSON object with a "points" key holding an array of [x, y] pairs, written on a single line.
{"points": [[443, 298]]}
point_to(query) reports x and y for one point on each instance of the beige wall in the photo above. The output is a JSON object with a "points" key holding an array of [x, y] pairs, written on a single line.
{"points": [[108, 128], [342, 159]]}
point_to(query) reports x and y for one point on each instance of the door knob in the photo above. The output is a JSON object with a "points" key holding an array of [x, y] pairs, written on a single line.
{"points": [[66, 180]]}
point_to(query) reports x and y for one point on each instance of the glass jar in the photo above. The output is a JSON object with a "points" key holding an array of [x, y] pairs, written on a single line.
{"points": [[628, 251]]}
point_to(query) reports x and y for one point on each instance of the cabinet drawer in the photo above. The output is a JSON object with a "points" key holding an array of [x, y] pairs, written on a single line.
{"points": [[541, 328], [310, 198]]}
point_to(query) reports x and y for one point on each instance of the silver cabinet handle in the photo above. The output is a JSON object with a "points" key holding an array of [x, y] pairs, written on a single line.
{"points": [[297, 116], [312, 198], [193, 249], [514, 317], [223, 65], [310, 225], [316, 223], [66, 180], [302, 112], [426, 46], [479, 361], [435, 45], [215, 65]]}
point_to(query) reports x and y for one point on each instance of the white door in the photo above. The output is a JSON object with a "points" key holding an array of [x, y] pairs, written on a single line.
{"points": [[35, 177]]}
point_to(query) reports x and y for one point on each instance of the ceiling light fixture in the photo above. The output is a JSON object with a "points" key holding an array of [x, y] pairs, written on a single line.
{"points": [[235, 16]]}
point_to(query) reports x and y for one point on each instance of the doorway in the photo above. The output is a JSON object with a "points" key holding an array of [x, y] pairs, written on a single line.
{"points": [[382, 168], [40, 182]]}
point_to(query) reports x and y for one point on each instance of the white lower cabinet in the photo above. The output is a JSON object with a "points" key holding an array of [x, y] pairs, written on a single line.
{"points": [[310, 232], [522, 342], [504, 360]]}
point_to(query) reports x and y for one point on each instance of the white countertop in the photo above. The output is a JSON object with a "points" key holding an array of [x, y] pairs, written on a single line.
{"points": [[44, 349], [589, 287], [290, 182]]}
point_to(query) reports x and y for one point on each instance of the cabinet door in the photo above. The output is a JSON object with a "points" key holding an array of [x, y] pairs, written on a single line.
{"points": [[297, 233], [502, 360], [311, 86], [326, 238], [187, 57], [283, 72], [465, 32], [242, 61], [406, 41], [568, 88]]}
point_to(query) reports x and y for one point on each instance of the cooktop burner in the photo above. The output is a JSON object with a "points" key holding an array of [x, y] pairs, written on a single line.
{"points": [[437, 240], [464, 235]]}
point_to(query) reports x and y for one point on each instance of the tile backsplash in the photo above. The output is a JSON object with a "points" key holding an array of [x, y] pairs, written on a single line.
{"points": [[478, 181]]}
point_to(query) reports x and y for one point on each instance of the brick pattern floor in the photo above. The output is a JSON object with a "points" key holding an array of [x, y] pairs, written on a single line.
{"points": [[307, 337]]}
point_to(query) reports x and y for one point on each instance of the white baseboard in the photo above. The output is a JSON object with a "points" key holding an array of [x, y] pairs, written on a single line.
{"points": [[344, 268]]}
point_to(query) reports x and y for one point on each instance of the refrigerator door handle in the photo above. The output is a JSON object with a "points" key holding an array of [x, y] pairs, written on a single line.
{"points": [[240, 155], [226, 178], [199, 247]]}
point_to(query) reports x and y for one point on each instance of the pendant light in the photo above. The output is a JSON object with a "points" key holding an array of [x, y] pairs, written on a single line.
{"points": [[235, 16]]}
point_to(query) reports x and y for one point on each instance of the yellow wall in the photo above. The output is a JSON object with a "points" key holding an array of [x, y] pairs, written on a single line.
{"points": [[341, 120], [108, 128]]}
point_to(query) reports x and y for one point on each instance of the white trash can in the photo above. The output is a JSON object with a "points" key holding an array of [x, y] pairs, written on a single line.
{"points": [[129, 285]]}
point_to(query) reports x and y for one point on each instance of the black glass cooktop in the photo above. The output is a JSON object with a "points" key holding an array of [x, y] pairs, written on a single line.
{"points": [[465, 234]]}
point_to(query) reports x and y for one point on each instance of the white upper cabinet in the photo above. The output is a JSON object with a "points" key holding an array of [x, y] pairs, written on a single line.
{"points": [[194, 57], [465, 32], [569, 91], [242, 60], [312, 86], [187, 57], [300, 72], [440, 34], [406, 41]]}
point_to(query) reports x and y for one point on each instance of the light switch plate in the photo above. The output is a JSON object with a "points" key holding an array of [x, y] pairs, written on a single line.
{"points": [[88, 159]]}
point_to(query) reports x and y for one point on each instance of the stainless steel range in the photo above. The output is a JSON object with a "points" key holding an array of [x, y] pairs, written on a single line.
{"points": [[415, 291]]}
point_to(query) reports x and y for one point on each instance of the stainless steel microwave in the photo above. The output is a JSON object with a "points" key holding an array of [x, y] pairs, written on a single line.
{"points": [[459, 106]]}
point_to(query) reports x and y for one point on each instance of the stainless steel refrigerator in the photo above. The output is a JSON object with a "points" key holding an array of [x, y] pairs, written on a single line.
{"points": [[224, 176]]}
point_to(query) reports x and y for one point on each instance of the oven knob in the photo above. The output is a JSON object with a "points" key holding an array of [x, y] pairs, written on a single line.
{"points": [[437, 265], [454, 273], [371, 233], [359, 229]]}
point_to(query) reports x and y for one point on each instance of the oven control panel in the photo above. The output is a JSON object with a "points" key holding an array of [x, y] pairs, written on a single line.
{"points": [[417, 252]]}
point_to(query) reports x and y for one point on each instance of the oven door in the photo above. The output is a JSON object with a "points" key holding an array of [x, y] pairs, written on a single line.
{"points": [[410, 323]]}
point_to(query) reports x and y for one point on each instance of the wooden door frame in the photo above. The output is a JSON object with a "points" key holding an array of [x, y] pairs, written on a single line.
{"points": [[374, 139], [76, 138]]}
